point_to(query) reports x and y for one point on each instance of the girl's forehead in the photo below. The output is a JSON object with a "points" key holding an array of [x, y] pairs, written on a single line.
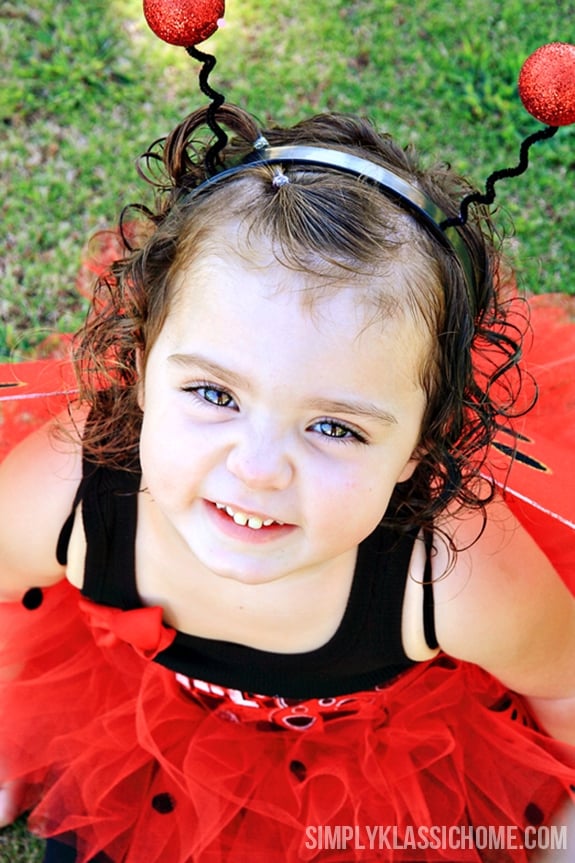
{"points": [[228, 295], [253, 265], [259, 276], [232, 250]]}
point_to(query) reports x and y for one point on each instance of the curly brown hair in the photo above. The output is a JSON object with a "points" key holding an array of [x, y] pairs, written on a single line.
{"points": [[323, 222]]}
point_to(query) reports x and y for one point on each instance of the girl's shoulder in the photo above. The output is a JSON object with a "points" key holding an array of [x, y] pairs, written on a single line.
{"points": [[501, 604], [38, 483]]}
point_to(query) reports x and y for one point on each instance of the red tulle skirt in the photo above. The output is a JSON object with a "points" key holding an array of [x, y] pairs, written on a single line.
{"points": [[121, 755]]}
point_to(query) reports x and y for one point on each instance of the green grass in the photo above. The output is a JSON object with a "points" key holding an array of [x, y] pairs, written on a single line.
{"points": [[86, 87], [18, 846]]}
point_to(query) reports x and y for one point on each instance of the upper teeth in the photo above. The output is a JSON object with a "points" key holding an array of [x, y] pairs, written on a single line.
{"points": [[244, 519]]}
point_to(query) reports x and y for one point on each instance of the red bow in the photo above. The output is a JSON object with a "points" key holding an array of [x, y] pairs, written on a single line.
{"points": [[142, 628]]}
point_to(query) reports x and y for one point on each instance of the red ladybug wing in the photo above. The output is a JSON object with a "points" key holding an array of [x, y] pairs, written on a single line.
{"points": [[31, 393], [540, 479]]}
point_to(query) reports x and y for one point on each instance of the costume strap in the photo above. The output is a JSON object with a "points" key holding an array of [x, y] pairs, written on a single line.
{"points": [[429, 632]]}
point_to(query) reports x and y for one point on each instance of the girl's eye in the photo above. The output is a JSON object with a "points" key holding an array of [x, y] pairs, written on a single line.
{"points": [[213, 396], [332, 429]]}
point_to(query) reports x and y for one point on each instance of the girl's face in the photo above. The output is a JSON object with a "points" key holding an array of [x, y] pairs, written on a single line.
{"points": [[274, 432]]}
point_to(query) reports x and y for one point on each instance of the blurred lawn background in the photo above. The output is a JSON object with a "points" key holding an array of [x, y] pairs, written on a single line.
{"points": [[86, 88]]}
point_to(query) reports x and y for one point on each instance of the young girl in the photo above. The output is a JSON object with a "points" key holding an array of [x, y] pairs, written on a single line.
{"points": [[261, 602]]}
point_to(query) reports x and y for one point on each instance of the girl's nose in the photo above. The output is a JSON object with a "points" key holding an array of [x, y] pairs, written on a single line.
{"points": [[261, 462]]}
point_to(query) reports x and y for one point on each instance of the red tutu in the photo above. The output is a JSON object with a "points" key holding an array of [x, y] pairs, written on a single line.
{"points": [[121, 755], [130, 758]]}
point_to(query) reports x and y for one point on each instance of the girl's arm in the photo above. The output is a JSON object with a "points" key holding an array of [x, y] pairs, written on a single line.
{"points": [[38, 482], [504, 607]]}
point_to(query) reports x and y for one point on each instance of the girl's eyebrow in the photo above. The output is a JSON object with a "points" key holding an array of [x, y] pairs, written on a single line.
{"points": [[207, 365], [353, 407]]}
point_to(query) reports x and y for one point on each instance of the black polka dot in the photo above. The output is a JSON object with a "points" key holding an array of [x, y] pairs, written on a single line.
{"points": [[298, 769], [33, 598], [503, 704], [534, 814], [446, 662], [163, 803]]}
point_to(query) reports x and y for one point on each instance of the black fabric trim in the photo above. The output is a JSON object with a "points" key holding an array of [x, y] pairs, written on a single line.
{"points": [[109, 513], [66, 532], [57, 852], [428, 601], [64, 540]]}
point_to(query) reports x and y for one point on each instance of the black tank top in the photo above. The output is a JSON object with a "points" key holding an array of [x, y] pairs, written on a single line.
{"points": [[365, 651]]}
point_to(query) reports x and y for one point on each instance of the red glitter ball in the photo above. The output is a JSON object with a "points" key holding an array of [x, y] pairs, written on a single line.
{"points": [[547, 84], [183, 22]]}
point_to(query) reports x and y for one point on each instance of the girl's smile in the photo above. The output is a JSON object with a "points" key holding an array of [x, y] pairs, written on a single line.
{"points": [[275, 429], [244, 527], [255, 522]]}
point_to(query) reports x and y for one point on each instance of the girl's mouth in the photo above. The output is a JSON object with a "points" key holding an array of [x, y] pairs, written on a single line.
{"points": [[244, 519]]}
